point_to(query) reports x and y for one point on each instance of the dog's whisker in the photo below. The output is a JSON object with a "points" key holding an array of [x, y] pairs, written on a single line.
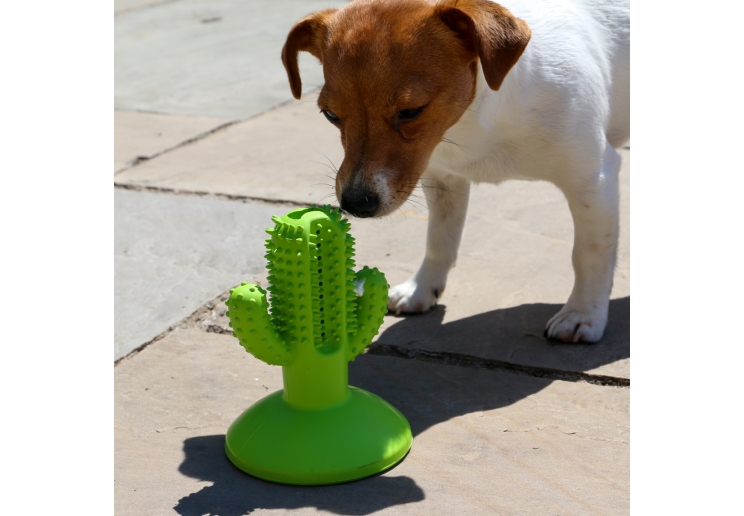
{"points": [[417, 201], [410, 195], [322, 199], [416, 207], [333, 166], [416, 204], [442, 188], [461, 147], [328, 176], [324, 184], [403, 213], [419, 208], [324, 164], [346, 213], [437, 187]]}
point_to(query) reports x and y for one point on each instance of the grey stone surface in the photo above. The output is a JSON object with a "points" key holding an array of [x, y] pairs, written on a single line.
{"points": [[485, 442], [214, 58], [284, 154], [514, 271], [139, 136], [172, 254], [124, 6]]}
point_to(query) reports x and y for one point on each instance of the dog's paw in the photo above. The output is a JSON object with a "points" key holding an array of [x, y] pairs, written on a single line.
{"points": [[574, 326], [412, 297]]}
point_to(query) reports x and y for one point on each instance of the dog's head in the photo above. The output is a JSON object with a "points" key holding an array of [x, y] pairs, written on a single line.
{"points": [[398, 74]]}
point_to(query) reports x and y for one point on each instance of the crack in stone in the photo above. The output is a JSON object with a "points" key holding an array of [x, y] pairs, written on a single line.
{"points": [[214, 195], [473, 362], [142, 159]]}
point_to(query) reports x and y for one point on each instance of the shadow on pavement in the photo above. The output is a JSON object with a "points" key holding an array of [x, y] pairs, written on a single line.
{"points": [[428, 394], [514, 335], [235, 493], [431, 394]]}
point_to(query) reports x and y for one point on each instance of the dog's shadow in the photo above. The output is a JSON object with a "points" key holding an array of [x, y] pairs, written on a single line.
{"points": [[426, 395], [515, 335]]}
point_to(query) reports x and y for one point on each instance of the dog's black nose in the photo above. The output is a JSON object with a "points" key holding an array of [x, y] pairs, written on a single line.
{"points": [[360, 204]]}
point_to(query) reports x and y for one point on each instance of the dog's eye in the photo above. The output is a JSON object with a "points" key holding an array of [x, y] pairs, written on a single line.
{"points": [[330, 115], [410, 114]]}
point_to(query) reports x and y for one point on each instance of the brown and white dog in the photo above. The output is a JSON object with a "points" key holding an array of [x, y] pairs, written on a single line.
{"points": [[535, 89]]}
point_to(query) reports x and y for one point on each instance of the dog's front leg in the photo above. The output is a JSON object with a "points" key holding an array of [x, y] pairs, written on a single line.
{"points": [[447, 200], [594, 203]]}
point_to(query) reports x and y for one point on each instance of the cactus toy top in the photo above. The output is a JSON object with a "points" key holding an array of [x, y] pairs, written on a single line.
{"points": [[322, 314]]}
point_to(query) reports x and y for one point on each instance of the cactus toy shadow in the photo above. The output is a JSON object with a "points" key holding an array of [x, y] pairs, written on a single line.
{"points": [[322, 314]]}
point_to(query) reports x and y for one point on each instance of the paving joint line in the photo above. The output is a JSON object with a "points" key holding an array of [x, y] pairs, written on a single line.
{"points": [[473, 362], [190, 321], [137, 350], [142, 159], [215, 195]]}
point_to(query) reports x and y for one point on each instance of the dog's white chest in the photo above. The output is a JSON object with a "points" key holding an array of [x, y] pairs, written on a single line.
{"points": [[477, 153]]}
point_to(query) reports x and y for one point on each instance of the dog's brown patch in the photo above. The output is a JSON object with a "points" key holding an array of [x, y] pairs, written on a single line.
{"points": [[308, 35], [489, 30], [398, 74]]}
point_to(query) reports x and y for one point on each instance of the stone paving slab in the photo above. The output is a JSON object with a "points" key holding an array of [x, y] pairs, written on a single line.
{"points": [[283, 154], [214, 58], [172, 254], [141, 136], [485, 442], [514, 270]]}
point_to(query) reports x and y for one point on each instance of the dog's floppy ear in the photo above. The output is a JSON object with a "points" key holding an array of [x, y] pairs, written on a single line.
{"points": [[490, 31], [307, 35]]}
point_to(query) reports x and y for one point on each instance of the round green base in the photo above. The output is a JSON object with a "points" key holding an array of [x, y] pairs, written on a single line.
{"points": [[359, 437]]}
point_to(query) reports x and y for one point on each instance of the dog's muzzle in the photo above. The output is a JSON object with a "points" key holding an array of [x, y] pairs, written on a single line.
{"points": [[360, 203]]}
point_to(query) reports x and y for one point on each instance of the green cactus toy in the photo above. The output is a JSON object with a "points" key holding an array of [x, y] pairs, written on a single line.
{"points": [[318, 430]]}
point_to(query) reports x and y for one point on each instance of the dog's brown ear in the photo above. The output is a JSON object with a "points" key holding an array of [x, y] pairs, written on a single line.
{"points": [[307, 35], [490, 31]]}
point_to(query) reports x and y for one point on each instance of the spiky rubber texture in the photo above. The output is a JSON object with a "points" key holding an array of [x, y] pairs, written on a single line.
{"points": [[370, 310], [312, 292], [249, 319]]}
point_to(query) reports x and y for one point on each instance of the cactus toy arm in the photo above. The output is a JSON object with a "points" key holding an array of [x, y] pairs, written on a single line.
{"points": [[372, 289], [249, 318]]}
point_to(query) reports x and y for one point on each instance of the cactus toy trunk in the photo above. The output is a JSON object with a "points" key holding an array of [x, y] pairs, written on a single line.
{"points": [[322, 314]]}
